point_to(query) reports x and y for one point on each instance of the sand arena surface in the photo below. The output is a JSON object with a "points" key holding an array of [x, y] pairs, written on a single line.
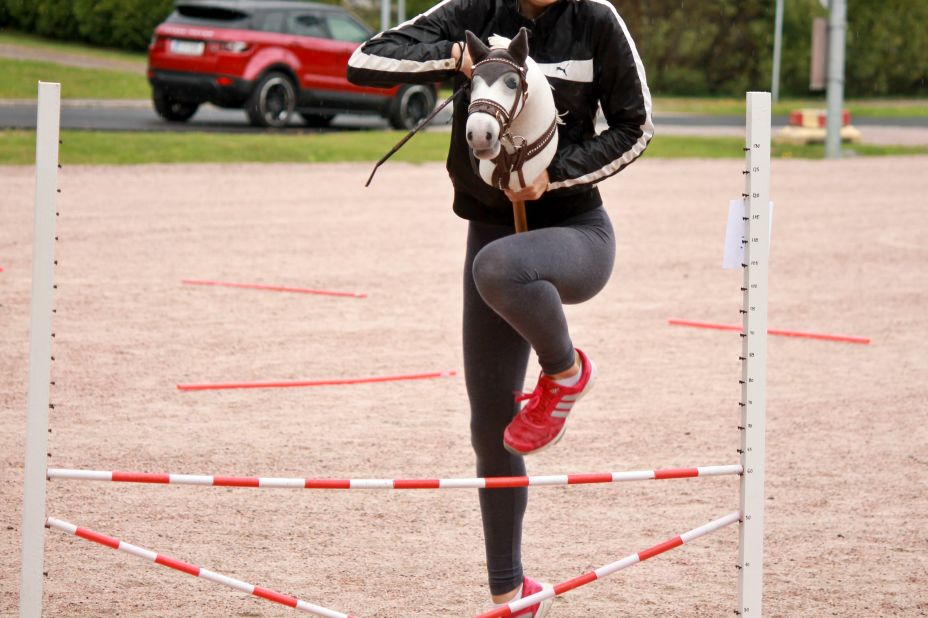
{"points": [[847, 462]]}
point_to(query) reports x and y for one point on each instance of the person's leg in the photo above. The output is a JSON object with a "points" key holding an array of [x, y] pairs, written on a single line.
{"points": [[526, 278], [495, 360]]}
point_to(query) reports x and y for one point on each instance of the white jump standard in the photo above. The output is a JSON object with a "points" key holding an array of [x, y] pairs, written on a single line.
{"points": [[752, 418], [754, 353]]}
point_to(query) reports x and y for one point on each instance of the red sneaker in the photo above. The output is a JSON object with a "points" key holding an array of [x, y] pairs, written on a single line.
{"points": [[543, 420], [538, 610]]}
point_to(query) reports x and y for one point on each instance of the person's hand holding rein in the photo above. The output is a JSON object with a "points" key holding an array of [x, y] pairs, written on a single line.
{"points": [[462, 57], [532, 192]]}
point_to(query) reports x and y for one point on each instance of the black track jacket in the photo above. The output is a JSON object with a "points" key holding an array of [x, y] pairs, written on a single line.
{"points": [[588, 56]]}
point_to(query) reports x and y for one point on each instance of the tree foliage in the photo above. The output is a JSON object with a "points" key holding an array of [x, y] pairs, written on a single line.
{"points": [[689, 47]]}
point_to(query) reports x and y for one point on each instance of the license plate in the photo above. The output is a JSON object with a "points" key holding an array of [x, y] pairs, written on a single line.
{"points": [[187, 48]]}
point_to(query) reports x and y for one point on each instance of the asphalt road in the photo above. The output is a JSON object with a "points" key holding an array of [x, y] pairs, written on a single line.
{"points": [[139, 116], [142, 117]]}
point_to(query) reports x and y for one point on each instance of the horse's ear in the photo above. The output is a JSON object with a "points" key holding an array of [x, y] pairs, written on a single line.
{"points": [[478, 51], [518, 48]]}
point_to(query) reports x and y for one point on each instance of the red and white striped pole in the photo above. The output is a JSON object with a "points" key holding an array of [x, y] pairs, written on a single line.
{"points": [[194, 570], [631, 560], [457, 483]]}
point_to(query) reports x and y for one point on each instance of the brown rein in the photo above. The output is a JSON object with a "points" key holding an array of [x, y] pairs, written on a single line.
{"points": [[506, 162]]}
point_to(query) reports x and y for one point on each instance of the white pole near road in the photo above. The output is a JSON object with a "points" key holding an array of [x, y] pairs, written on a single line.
{"points": [[754, 355], [40, 348], [837, 27], [777, 52], [384, 15]]}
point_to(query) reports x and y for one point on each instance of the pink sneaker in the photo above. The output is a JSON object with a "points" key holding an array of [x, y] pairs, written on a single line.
{"points": [[543, 420], [539, 610]]}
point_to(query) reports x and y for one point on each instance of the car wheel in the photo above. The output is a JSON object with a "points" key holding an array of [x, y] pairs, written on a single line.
{"points": [[411, 106], [273, 101], [316, 120], [170, 108]]}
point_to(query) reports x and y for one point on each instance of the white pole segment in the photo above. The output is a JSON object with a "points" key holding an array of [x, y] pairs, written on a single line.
{"points": [[80, 475], [463, 483], [720, 470], [135, 550], [711, 527], [754, 354], [635, 475], [282, 483], [40, 348], [225, 580], [191, 479], [559, 479]]}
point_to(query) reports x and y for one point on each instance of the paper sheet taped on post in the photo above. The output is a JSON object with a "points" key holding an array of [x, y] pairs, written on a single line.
{"points": [[735, 234]]}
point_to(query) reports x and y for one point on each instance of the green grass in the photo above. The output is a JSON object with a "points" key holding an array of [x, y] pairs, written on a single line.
{"points": [[97, 147], [676, 147], [20, 77], [82, 49], [882, 108]]}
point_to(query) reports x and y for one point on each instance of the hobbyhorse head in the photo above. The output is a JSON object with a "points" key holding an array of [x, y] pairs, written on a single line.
{"points": [[498, 91], [512, 120]]}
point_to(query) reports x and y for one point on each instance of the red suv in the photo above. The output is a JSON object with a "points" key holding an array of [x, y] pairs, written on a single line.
{"points": [[273, 58]]}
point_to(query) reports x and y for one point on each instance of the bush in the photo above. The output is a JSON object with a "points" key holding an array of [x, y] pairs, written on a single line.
{"points": [[22, 14], [125, 24], [55, 19]]}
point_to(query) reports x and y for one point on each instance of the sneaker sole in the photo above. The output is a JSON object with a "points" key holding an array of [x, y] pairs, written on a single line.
{"points": [[557, 438]]}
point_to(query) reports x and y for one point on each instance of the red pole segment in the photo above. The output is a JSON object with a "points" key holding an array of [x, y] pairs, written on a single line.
{"points": [[272, 288], [329, 382], [497, 482], [191, 569], [581, 580], [772, 331]]}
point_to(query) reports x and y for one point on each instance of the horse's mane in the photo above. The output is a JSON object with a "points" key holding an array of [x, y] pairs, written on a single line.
{"points": [[499, 42]]}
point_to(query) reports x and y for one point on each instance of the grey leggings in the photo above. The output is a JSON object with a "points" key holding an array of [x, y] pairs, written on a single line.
{"points": [[514, 289]]}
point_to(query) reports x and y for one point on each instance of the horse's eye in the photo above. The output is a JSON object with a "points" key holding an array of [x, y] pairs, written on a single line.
{"points": [[511, 82]]}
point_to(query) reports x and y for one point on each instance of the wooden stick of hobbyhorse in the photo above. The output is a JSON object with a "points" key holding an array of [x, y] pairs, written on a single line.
{"points": [[512, 119], [518, 215]]}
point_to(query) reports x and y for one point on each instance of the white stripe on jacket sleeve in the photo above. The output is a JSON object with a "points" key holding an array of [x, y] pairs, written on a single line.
{"points": [[361, 60], [647, 129]]}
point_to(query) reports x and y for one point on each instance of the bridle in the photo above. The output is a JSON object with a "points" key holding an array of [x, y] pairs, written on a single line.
{"points": [[514, 150], [490, 74]]}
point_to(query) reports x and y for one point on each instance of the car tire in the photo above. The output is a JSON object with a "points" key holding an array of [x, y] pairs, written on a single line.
{"points": [[315, 120], [170, 108], [410, 106], [273, 101]]}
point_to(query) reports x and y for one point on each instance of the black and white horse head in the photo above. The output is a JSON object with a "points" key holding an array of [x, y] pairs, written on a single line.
{"points": [[511, 123]]}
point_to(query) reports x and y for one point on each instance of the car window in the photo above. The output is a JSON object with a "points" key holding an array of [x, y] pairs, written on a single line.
{"points": [[306, 24], [195, 15], [343, 28], [271, 22]]}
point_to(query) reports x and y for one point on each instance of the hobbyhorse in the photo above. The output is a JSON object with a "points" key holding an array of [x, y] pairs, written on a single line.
{"points": [[512, 120]]}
